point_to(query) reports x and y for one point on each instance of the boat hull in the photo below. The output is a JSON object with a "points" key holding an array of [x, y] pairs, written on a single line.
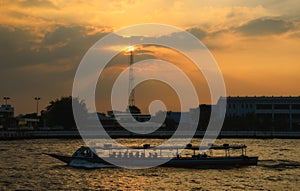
{"points": [[209, 162], [212, 162]]}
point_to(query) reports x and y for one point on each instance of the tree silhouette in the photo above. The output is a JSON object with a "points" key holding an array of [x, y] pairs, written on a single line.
{"points": [[59, 112]]}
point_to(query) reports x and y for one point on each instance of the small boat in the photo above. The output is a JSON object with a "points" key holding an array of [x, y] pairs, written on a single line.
{"points": [[167, 156]]}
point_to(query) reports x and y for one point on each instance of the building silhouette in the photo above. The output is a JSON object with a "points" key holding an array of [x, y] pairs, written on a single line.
{"points": [[6, 116], [273, 112]]}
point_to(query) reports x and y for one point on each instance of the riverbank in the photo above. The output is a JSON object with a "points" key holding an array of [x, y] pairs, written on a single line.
{"points": [[11, 135]]}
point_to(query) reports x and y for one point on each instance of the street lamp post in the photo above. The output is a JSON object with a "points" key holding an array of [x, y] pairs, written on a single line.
{"points": [[37, 105], [5, 100], [6, 123]]}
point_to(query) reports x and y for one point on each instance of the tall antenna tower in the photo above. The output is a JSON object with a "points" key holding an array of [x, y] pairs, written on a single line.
{"points": [[131, 78]]}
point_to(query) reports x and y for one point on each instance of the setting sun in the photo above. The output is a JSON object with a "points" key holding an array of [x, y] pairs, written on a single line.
{"points": [[130, 48]]}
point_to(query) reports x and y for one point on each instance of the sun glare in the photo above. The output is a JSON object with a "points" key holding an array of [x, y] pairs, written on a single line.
{"points": [[130, 48]]}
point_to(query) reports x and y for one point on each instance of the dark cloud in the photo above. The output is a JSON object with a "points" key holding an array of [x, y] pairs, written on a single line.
{"points": [[19, 15], [265, 26], [64, 34], [45, 66], [14, 43], [63, 46], [179, 39], [38, 3], [197, 32], [19, 47]]}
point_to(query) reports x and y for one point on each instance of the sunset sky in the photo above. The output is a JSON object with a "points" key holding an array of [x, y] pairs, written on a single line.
{"points": [[256, 44]]}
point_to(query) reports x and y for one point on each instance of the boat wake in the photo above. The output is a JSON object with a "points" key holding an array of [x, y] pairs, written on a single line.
{"points": [[279, 164], [88, 165]]}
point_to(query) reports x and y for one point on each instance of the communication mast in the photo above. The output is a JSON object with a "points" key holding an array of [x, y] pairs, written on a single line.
{"points": [[131, 100]]}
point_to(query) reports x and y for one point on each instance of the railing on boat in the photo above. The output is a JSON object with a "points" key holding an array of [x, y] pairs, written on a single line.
{"points": [[147, 147]]}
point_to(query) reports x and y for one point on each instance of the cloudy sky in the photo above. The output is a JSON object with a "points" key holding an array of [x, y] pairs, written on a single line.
{"points": [[256, 44]]}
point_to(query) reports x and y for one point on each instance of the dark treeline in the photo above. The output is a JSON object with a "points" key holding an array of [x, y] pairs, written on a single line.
{"points": [[57, 115]]}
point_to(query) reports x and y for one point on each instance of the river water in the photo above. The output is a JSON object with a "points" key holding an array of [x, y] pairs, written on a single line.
{"points": [[24, 167]]}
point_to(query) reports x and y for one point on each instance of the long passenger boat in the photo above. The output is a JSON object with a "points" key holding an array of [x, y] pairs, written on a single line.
{"points": [[189, 157]]}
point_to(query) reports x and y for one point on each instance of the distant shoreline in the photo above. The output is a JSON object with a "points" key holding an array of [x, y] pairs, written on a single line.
{"points": [[14, 135]]}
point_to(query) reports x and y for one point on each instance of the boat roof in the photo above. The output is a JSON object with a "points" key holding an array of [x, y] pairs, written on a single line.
{"points": [[189, 147]]}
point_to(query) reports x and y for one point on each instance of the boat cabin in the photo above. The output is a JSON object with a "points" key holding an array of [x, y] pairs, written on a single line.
{"points": [[84, 152]]}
